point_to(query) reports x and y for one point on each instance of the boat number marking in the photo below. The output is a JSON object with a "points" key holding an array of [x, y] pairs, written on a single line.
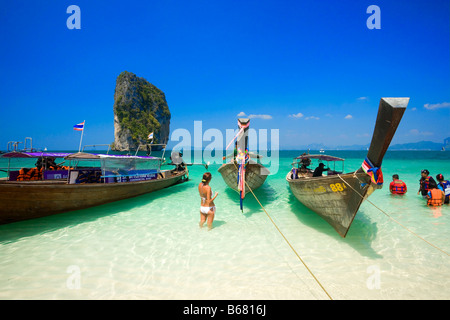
{"points": [[336, 187]]}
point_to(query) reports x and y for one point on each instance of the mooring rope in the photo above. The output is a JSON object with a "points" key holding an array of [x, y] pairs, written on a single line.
{"points": [[412, 232], [287, 241]]}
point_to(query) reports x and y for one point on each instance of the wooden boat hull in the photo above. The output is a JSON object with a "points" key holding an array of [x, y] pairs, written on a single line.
{"points": [[255, 175], [331, 198], [34, 199], [337, 201]]}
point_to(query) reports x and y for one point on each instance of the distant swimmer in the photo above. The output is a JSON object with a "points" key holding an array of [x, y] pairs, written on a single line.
{"points": [[397, 186], [426, 183], [435, 197], [207, 207], [444, 185]]}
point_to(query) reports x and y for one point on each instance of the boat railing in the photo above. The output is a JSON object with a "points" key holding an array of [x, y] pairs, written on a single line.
{"points": [[25, 144], [149, 148], [14, 145], [98, 145]]}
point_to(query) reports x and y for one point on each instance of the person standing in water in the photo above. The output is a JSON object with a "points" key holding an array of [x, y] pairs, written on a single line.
{"points": [[426, 183], [397, 186], [444, 185], [435, 197], [207, 206]]}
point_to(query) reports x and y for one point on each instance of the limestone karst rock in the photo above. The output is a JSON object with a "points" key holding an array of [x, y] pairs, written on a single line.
{"points": [[139, 109]]}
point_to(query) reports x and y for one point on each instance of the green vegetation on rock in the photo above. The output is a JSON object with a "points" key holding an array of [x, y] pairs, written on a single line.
{"points": [[139, 108]]}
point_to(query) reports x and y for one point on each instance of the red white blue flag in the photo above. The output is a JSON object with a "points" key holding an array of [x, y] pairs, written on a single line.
{"points": [[79, 127]]}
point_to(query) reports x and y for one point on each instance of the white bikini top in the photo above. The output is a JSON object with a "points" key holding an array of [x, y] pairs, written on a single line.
{"points": [[204, 198]]}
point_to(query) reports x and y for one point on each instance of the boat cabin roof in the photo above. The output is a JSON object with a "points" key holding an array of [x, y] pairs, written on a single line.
{"points": [[322, 157], [69, 156], [17, 154]]}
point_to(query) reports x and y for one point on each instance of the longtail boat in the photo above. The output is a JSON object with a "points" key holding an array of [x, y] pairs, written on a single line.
{"points": [[242, 172], [337, 196], [88, 180]]}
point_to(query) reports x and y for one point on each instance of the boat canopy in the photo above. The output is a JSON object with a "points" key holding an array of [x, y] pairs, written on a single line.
{"points": [[322, 157], [72, 156], [99, 156], [123, 165], [17, 154], [82, 156], [127, 166]]}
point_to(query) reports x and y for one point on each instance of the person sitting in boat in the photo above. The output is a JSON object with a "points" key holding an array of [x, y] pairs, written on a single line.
{"points": [[426, 183], [305, 163], [50, 163], [319, 170], [177, 160], [444, 185], [435, 197], [39, 163], [181, 166], [397, 186]]}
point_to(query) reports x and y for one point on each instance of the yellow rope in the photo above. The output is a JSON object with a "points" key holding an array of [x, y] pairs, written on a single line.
{"points": [[285, 239], [412, 232]]}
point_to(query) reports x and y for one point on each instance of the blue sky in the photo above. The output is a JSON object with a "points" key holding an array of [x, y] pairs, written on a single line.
{"points": [[311, 69]]}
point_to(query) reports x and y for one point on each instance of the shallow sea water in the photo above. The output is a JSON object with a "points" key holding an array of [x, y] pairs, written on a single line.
{"points": [[151, 247]]}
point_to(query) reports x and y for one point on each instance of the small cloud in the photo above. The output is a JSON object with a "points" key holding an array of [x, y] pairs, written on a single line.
{"points": [[296, 115], [260, 116], [363, 98], [349, 116], [414, 109], [241, 114], [436, 105], [363, 135], [312, 117], [416, 132], [328, 115]]}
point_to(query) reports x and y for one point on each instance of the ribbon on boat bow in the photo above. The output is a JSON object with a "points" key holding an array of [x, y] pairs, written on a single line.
{"points": [[375, 173], [242, 128], [242, 160]]}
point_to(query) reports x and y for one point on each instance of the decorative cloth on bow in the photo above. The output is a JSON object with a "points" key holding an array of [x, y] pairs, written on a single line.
{"points": [[242, 160], [242, 128], [375, 173]]}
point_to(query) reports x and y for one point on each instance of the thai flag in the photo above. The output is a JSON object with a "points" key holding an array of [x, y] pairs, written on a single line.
{"points": [[79, 127], [150, 136]]}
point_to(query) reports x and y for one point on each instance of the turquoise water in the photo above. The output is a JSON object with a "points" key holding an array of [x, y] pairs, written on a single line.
{"points": [[151, 247]]}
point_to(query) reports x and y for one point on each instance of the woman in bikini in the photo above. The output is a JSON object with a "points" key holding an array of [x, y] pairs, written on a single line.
{"points": [[207, 207]]}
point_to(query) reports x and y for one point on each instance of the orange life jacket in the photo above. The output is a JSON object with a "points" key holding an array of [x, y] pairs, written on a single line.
{"points": [[436, 198]]}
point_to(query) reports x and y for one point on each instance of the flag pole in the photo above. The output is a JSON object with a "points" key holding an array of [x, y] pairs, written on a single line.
{"points": [[82, 132]]}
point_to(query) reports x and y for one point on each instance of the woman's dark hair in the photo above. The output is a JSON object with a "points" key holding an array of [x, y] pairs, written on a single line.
{"points": [[206, 177]]}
